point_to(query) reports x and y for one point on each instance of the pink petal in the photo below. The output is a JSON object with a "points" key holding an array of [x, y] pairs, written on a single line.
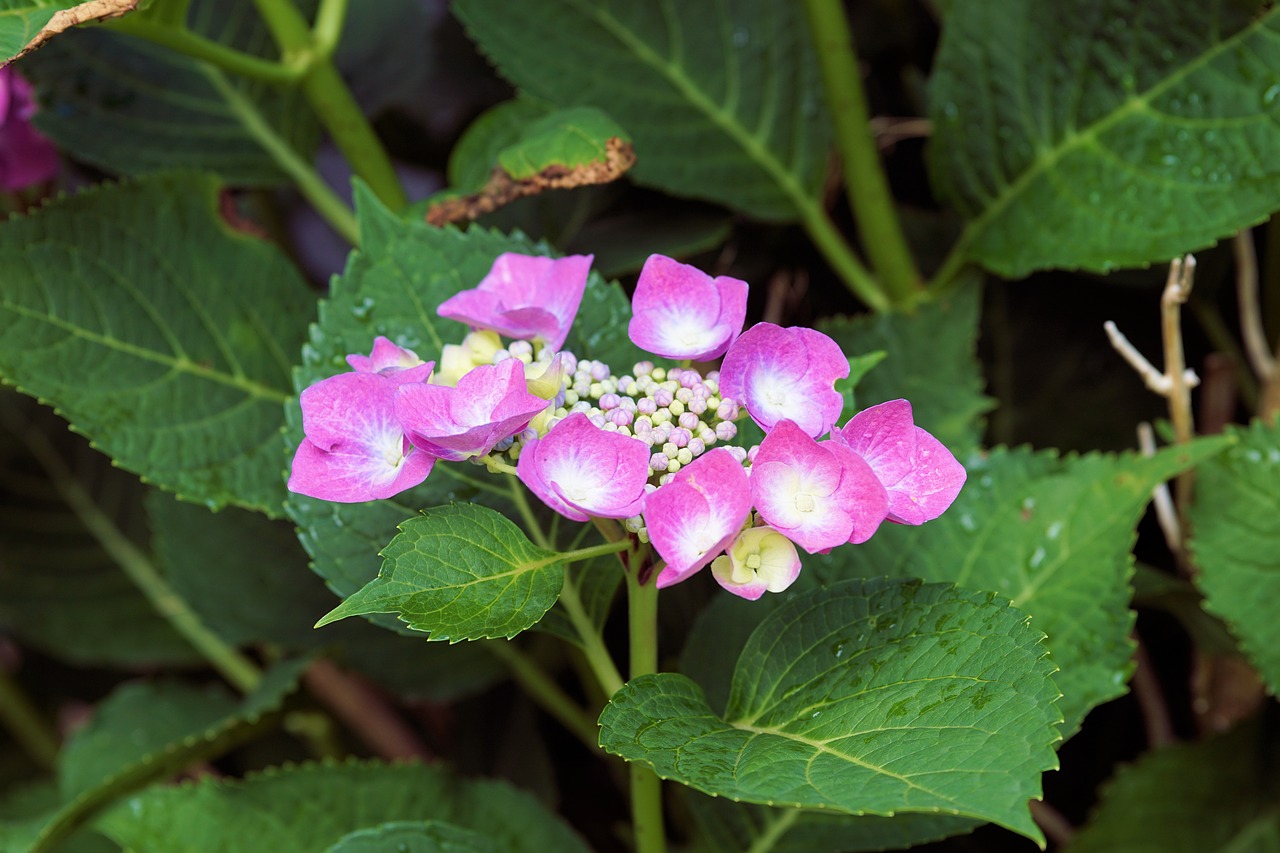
{"points": [[697, 514], [921, 476], [490, 403], [579, 470], [681, 312], [525, 296], [795, 485], [354, 473], [786, 373], [387, 357], [861, 493]]}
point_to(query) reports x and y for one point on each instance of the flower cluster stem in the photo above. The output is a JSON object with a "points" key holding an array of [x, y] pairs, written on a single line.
{"points": [[865, 181], [646, 787], [329, 95]]}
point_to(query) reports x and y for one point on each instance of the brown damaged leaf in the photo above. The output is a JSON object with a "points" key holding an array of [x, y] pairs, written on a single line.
{"points": [[84, 13], [502, 189]]}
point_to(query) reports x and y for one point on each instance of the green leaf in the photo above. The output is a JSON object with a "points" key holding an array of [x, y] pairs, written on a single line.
{"points": [[60, 590], [460, 572], [721, 99], [870, 697], [728, 827], [311, 807], [21, 20], [148, 731], [1236, 542], [1051, 534], [932, 361], [427, 836], [244, 575], [392, 286], [494, 130], [23, 810], [132, 107], [1217, 794], [158, 332], [1106, 135], [573, 137]]}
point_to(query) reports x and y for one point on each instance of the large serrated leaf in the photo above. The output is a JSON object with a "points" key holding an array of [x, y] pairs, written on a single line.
{"points": [[1216, 795], [722, 99], [60, 589], [157, 332], [133, 107], [1236, 542], [404, 836], [930, 359], [460, 572], [392, 286], [311, 807], [146, 731], [869, 697], [1106, 134], [1053, 535]]}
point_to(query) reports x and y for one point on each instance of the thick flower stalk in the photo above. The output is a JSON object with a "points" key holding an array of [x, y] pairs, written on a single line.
{"points": [[656, 447]]}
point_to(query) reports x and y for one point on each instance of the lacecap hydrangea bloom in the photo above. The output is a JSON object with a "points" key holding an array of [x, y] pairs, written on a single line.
{"points": [[653, 447]]}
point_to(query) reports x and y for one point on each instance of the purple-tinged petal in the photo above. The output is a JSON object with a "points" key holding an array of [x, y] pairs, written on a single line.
{"points": [[489, 404], [26, 157], [681, 312], [786, 373], [920, 475], [387, 357], [818, 494], [697, 514], [579, 470], [524, 296], [354, 448], [760, 560]]}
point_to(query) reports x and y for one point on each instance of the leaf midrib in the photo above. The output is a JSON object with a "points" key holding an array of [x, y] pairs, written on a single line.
{"points": [[1089, 135]]}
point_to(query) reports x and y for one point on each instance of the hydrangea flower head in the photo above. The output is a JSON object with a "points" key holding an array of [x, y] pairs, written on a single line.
{"points": [[921, 476], [697, 514], [579, 470], [355, 449], [525, 296], [489, 404], [760, 560], [678, 311], [26, 157], [819, 494], [786, 373]]}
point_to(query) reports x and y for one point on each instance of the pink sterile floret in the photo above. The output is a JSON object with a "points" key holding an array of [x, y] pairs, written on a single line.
{"points": [[697, 514], [787, 373], [681, 312], [355, 449], [525, 296], [818, 494], [579, 470], [920, 474], [26, 157], [386, 357], [490, 403]]}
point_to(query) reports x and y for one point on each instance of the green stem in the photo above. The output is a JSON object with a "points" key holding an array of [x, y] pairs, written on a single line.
{"points": [[865, 181], [327, 30], [329, 96], [594, 551], [952, 265], [593, 647], [646, 787], [773, 831], [831, 243], [546, 692], [526, 513], [196, 46], [235, 667], [26, 725], [309, 183]]}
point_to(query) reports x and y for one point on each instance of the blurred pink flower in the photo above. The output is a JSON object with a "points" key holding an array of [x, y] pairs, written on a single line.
{"points": [[786, 373], [26, 157], [681, 312], [921, 476], [524, 296]]}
